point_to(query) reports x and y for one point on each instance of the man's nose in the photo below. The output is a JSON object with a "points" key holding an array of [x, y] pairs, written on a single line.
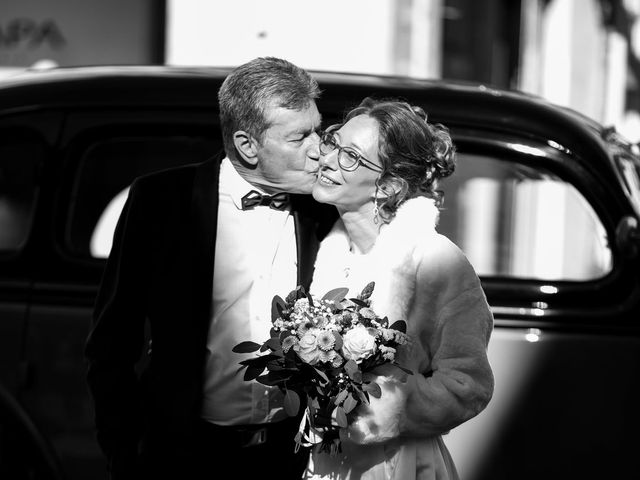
{"points": [[313, 151]]}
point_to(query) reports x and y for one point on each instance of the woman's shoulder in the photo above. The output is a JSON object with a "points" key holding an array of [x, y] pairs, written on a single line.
{"points": [[414, 223], [441, 263]]}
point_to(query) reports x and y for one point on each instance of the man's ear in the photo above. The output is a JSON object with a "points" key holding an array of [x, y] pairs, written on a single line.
{"points": [[246, 146]]}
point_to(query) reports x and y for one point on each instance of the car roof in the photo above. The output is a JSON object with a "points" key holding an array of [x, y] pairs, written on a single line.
{"points": [[453, 103], [92, 85], [461, 106]]}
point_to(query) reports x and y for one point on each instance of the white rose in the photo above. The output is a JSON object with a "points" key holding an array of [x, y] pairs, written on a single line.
{"points": [[307, 348], [359, 343]]}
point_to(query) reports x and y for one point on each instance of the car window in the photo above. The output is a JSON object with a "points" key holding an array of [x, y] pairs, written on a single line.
{"points": [[519, 221], [630, 168], [106, 170], [20, 156]]}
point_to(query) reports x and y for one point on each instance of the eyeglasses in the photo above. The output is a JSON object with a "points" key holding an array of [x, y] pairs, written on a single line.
{"points": [[348, 159]]}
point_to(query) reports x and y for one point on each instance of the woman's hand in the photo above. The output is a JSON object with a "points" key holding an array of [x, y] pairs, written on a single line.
{"points": [[379, 421]]}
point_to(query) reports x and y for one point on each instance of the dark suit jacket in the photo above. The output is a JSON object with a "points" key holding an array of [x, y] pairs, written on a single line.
{"points": [[160, 273]]}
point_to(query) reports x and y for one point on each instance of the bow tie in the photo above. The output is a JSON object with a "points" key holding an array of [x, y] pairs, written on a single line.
{"points": [[279, 201]]}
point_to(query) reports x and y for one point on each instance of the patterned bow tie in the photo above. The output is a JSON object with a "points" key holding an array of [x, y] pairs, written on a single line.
{"points": [[279, 201]]}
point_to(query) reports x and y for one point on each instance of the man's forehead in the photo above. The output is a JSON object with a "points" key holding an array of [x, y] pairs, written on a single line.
{"points": [[304, 118]]}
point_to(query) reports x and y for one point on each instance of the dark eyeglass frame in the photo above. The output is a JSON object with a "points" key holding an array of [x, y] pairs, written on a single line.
{"points": [[328, 139]]}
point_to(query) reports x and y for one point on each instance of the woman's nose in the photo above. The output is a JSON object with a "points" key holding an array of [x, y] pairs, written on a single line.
{"points": [[329, 160]]}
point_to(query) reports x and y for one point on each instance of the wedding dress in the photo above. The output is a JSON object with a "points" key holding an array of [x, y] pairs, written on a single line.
{"points": [[383, 443]]}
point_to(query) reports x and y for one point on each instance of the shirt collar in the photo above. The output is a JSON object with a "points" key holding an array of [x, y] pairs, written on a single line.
{"points": [[232, 183]]}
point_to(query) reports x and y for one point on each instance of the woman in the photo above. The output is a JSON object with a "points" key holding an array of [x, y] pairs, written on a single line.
{"points": [[380, 168]]}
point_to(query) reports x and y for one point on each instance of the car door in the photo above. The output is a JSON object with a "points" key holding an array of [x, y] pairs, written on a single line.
{"points": [[26, 144], [539, 225], [99, 154]]}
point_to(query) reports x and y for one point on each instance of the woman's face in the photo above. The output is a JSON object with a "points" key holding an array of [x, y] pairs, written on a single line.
{"points": [[350, 190]]}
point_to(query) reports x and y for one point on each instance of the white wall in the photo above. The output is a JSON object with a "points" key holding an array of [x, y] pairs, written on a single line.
{"points": [[343, 35], [569, 58]]}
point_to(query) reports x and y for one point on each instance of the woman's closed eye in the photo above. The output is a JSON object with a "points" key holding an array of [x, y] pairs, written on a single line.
{"points": [[352, 154]]}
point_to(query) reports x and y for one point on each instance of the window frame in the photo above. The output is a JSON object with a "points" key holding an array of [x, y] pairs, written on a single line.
{"points": [[85, 129], [572, 300], [30, 136]]}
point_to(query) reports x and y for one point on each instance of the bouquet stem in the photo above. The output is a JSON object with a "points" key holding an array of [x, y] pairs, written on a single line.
{"points": [[324, 439]]}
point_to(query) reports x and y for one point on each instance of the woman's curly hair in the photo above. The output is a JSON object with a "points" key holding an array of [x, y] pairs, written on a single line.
{"points": [[415, 154]]}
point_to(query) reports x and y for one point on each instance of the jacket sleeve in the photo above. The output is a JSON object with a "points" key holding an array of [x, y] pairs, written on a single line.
{"points": [[116, 339], [454, 381]]}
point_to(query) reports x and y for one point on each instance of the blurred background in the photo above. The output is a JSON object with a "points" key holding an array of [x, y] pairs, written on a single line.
{"points": [[584, 54], [514, 218]]}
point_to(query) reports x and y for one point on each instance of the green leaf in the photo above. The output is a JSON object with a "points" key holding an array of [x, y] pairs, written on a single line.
{"points": [[336, 295], [373, 389], [350, 366], [260, 360], [346, 303], [399, 325], [359, 302], [353, 371], [350, 403], [405, 370], [284, 334], [272, 379], [292, 297], [367, 290], [341, 417], [341, 396], [291, 403], [253, 372], [246, 347], [277, 305], [356, 376], [273, 344], [363, 396], [322, 375], [339, 341]]}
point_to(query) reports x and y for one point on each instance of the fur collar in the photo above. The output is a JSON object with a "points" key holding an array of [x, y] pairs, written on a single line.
{"points": [[391, 263], [414, 222]]}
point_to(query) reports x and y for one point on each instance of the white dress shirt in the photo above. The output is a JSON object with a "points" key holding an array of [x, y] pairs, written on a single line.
{"points": [[255, 259]]}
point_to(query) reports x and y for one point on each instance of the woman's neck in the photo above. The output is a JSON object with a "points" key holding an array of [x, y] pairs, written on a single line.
{"points": [[361, 228]]}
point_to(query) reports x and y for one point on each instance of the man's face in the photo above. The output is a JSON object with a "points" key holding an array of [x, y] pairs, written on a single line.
{"points": [[288, 153]]}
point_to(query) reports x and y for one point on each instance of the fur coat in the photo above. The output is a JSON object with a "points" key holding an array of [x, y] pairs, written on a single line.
{"points": [[422, 277]]}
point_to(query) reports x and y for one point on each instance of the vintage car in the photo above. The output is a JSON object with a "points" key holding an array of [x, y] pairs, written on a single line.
{"points": [[544, 202]]}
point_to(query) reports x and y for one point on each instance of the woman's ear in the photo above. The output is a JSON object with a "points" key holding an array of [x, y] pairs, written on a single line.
{"points": [[246, 146]]}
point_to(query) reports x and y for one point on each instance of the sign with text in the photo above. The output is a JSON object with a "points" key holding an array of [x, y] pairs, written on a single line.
{"points": [[80, 32]]}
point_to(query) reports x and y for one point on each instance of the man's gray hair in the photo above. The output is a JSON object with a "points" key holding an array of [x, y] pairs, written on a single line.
{"points": [[256, 86]]}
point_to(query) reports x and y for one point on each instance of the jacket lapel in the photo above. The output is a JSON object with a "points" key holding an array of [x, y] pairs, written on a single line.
{"points": [[312, 221], [204, 218]]}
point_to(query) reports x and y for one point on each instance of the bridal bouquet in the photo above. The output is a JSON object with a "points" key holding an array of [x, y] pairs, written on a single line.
{"points": [[322, 350]]}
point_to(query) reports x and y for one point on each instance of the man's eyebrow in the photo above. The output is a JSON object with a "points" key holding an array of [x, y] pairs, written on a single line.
{"points": [[307, 131]]}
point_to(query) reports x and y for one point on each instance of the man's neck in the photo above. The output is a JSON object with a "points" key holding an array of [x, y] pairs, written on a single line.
{"points": [[252, 175]]}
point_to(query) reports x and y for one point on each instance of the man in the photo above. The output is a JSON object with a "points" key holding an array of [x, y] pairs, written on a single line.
{"points": [[198, 256]]}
